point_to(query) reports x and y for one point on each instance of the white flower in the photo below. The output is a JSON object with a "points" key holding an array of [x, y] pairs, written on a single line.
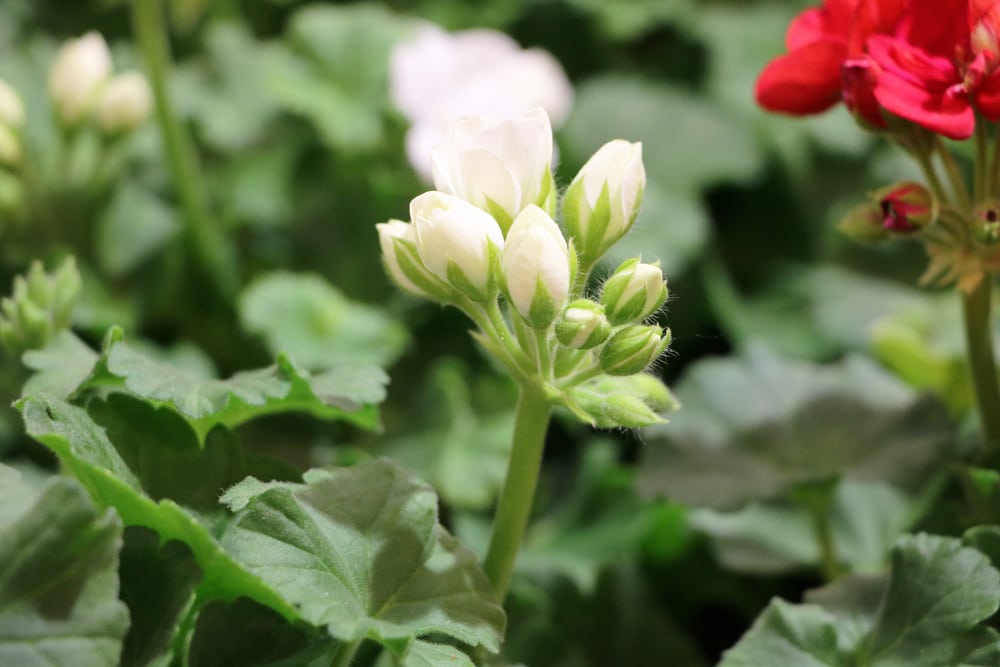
{"points": [[125, 104], [80, 70], [595, 224], [11, 106], [10, 146], [457, 242], [634, 292], [500, 166], [436, 78], [390, 234], [536, 266]]}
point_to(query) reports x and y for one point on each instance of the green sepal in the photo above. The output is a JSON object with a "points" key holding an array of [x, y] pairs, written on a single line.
{"points": [[543, 309], [634, 401], [411, 266], [500, 214]]}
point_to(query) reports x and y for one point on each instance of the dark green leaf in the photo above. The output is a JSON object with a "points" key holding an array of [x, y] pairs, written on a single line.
{"points": [[157, 583], [754, 426], [787, 635], [360, 551], [84, 449], [305, 316], [347, 392], [59, 602]]}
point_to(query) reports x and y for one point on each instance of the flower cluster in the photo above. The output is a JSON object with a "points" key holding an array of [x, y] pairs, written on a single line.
{"points": [[915, 71], [486, 238], [437, 77]]}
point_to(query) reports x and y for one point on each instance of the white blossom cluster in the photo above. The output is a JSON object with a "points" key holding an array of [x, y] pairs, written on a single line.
{"points": [[487, 236]]}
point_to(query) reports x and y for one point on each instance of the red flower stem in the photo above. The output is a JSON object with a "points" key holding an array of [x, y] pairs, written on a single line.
{"points": [[954, 175]]}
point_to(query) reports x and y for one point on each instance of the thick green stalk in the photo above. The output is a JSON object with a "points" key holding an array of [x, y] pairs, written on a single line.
{"points": [[206, 241], [518, 494], [976, 307]]}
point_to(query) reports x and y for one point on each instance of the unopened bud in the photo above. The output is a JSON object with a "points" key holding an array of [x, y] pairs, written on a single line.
{"points": [[536, 267], [906, 207], [863, 223], [399, 256], [11, 107], [41, 305], [583, 325], [634, 292], [633, 349], [987, 222], [10, 146], [602, 202], [126, 103], [81, 68]]}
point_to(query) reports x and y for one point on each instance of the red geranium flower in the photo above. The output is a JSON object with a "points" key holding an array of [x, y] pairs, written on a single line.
{"points": [[941, 66]]}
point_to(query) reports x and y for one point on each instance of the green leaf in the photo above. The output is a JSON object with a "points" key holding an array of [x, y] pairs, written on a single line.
{"points": [[938, 591], [926, 613], [359, 550], [349, 393], [756, 425], [60, 367], [248, 634], [333, 69], [58, 576], [461, 452], [157, 583], [134, 226], [84, 449], [866, 518], [307, 317], [680, 161], [426, 654]]}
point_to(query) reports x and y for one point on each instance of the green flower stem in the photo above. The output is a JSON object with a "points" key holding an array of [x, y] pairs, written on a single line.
{"points": [[981, 180], [345, 654], [518, 494], [206, 241], [982, 363], [993, 177], [954, 176], [544, 356], [816, 498]]}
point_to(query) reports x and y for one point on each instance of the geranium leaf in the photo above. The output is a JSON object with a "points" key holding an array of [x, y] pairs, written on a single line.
{"points": [[305, 316], [348, 392], [754, 426], [58, 576], [360, 551], [84, 449]]}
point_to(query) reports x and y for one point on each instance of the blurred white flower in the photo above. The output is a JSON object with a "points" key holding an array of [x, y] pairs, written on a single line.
{"points": [[500, 166], [125, 104], [437, 77], [80, 70]]}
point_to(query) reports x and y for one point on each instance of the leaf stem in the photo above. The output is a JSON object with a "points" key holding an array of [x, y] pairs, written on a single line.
{"points": [[981, 169], [976, 307], [517, 496], [816, 498], [206, 241]]}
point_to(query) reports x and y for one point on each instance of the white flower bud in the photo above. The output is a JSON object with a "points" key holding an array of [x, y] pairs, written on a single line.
{"points": [[126, 103], [500, 166], [583, 325], [457, 242], [11, 106], [81, 68], [603, 200], [634, 292], [536, 266]]}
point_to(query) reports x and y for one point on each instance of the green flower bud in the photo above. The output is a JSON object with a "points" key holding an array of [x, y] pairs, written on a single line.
{"points": [[41, 305], [987, 218], [863, 223], [634, 292], [536, 267], [583, 325], [633, 349]]}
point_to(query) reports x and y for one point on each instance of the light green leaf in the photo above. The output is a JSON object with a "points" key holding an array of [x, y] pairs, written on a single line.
{"points": [[756, 425], [426, 654], [59, 367], [687, 143], [305, 316], [462, 453], [360, 551], [59, 602], [134, 226], [349, 393], [84, 449]]}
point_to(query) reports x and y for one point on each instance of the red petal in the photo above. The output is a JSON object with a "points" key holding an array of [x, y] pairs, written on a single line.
{"points": [[805, 81], [935, 110], [806, 28], [988, 97], [874, 17], [938, 26]]}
